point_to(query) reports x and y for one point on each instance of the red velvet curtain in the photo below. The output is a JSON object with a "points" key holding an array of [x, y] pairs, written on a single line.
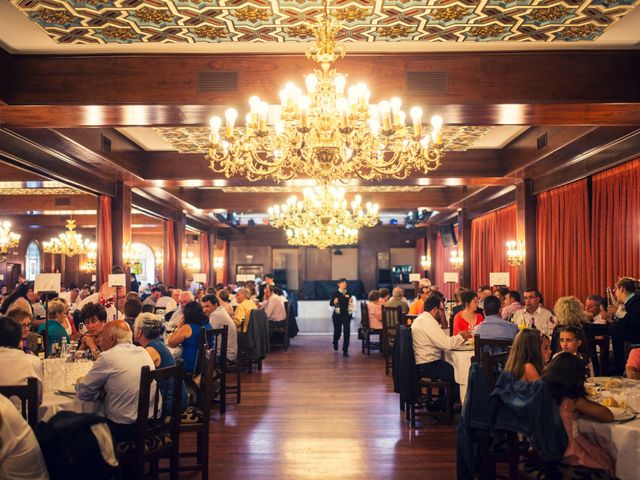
{"points": [[205, 258], [105, 247], [489, 235], [616, 224], [442, 265], [563, 237], [171, 253]]}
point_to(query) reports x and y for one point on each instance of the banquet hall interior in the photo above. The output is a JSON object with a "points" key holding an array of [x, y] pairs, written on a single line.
{"points": [[226, 148]]}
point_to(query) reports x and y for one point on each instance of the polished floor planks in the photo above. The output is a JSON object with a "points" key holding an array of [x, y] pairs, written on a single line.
{"points": [[312, 414]]}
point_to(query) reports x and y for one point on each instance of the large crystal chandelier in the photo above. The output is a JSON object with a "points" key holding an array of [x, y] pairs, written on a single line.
{"points": [[326, 134], [69, 243], [8, 239], [323, 217]]}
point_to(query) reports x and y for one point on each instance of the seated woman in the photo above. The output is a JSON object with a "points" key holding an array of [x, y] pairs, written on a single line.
{"points": [[375, 310], [525, 357], [29, 342], [633, 364], [187, 334], [147, 332], [94, 317], [467, 318], [55, 329], [67, 322], [545, 346], [567, 311], [565, 377]]}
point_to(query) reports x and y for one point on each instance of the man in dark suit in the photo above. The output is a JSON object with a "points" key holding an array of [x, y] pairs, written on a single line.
{"points": [[342, 304], [268, 280]]}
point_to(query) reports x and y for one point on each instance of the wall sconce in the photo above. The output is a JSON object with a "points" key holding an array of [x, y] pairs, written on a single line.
{"points": [[456, 259], [218, 263], [191, 263], [515, 253], [425, 262], [159, 259], [8, 240]]}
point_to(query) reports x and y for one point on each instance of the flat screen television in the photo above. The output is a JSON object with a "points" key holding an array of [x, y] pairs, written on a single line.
{"points": [[448, 235]]}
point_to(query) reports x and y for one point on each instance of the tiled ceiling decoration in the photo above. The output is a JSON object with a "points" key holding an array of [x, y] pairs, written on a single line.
{"points": [[196, 139], [189, 21]]}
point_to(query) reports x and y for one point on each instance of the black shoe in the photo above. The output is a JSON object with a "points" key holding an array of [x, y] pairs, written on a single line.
{"points": [[335, 346], [345, 354]]}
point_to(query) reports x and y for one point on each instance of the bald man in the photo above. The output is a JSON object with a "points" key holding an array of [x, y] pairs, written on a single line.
{"points": [[116, 375]]}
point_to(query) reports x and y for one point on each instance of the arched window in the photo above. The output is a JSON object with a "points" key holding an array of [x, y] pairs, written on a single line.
{"points": [[145, 266], [32, 261]]}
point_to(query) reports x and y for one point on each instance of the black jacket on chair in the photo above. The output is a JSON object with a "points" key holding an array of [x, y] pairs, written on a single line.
{"points": [[405, 377]]}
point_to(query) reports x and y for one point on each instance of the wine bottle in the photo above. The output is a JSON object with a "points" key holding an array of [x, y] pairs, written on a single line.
{"points": [[40, 349]]}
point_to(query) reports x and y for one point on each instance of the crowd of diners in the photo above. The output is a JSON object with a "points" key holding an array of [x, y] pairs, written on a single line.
{"points": [[554, 346], [121, 332]]}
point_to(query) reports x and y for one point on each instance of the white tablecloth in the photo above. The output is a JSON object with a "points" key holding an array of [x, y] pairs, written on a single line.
{"points": [[53, 403], [461, 361], [622, 440]]}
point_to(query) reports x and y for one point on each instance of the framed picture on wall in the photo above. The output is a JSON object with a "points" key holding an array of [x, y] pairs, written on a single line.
{"points": [[383, 260], [249, 269]]}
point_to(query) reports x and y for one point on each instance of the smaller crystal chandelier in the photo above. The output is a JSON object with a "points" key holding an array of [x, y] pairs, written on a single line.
{"points": [[8, 239], [515, 253], [131, 254], [190, 262], [69, 243], [456, 259], [331, 236], [425, 262], [159, 259], [90, 265], [218, 263]]}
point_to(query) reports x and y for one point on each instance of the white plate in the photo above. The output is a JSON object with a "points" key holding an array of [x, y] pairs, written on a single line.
{"points": [[621, 414], [68, 389]]}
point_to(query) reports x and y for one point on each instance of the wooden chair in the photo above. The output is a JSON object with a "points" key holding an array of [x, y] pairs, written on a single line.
{"points": [[391, 318], [196, 418], [281, 329], [493, 346], [367, 331], [434, 391], [217, 342], [28, 395], [157, 435]]}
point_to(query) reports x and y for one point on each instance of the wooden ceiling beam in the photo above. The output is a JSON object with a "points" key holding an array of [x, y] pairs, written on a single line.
{"points": [[471, 78], [18, 204]]}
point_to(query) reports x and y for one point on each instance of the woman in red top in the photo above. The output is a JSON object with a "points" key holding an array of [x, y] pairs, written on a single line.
{"points": [[468, 318]]}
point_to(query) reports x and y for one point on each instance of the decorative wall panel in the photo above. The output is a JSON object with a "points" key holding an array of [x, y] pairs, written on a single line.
{"points": [[176, 21]]}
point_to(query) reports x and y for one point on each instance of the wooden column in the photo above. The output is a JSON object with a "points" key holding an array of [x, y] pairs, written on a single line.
{"points": [[178, 234], [120, 221], [526, 232], [431, 239], [211, 237], [464, 239]]}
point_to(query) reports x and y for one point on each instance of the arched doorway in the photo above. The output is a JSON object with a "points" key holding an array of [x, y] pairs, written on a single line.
{"points": [[145, 266], [32, 261]]}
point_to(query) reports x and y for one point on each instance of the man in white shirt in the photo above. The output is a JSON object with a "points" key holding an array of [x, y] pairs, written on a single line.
{"points": [[116, 375], [274, 305], [185, 297], [218, 318], [15, 365], [20, 454], [534, 315], [429, 340]]}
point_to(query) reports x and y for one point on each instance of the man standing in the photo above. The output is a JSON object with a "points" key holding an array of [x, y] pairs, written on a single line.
{"points": [[342, 304], [268, 281], [534, 315]]}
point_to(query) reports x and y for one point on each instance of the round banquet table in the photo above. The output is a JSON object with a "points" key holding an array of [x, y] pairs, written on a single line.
{"points": [[622, 440], [53, 403], [461, 361]]}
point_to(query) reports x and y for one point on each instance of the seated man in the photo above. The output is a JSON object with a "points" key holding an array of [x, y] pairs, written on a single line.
{"points": [[218, 318], [494, 327], [15, 365], [397, 299], [243, 310], [274, 305], [429, 340], [417, 307], [116, 375], [534, 315], [30, 340], [511, 304], [152, 299], [175, 319]]}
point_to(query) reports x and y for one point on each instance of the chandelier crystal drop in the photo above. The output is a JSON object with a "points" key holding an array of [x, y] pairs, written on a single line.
{"points": [[328, 133], [8, 240], [330, 236], [69, 243]]}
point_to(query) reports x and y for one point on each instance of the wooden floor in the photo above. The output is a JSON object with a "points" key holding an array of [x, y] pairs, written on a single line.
{"points": [[313, 414]]}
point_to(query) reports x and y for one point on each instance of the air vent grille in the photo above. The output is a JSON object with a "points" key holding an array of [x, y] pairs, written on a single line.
{"points": [[62, 202], [436, 82], [217, 81], [105, 143], [542, 141]]}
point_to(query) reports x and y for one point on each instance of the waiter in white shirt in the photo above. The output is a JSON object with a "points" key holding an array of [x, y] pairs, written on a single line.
{"points": [[429, 340], [534, 315]]}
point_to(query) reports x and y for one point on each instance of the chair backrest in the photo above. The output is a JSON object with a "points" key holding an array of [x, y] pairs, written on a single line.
{"points": [[28, 396], [391, 318], [492, 346], [217, 339], [152, 418], [493, 365], [207, 380], [364, 314]]}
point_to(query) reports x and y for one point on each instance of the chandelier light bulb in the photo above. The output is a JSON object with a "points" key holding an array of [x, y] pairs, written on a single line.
{"points": [[340, 82], [254, 103], [436, 122], [311, 82], [215, 123], [416, 115]]}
